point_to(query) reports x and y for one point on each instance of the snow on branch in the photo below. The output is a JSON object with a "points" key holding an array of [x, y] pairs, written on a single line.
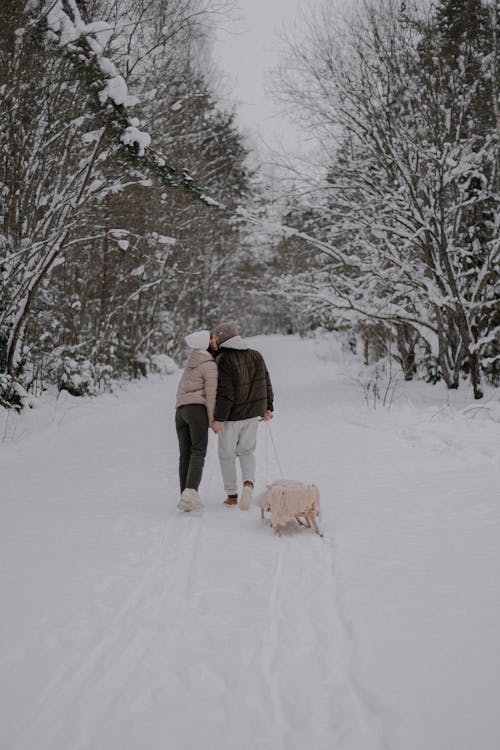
{"points": [[348, 260], [85, 43]]}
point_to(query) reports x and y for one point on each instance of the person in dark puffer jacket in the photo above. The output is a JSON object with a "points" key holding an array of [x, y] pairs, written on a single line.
{"points": [[244, 394]]}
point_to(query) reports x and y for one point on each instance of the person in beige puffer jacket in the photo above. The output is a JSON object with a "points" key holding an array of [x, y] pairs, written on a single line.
{"points": [[194, 414]]}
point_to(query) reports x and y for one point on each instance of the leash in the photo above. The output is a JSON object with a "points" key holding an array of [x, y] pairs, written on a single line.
{"points": [[269, 434]]}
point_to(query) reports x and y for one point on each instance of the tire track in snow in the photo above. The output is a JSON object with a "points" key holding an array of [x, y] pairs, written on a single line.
{"points": [[83, 691], [304, 639], [268, 655], [376, 715], [365, 703], [165, 595], [95, 644]]}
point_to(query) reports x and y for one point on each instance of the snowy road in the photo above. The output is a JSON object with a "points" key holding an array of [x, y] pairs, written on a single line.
{"points": [[128, 625]]}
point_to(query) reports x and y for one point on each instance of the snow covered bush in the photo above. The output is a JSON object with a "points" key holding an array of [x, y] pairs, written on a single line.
{"points": [[78, 377], [163, 364], [12, 394], [378, 381]]}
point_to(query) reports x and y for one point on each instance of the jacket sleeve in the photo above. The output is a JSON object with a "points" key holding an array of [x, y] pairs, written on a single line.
{"points": [[210, 375], [225, 391], [270, 394]]}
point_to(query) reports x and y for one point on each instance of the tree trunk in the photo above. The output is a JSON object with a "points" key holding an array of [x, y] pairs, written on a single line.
{"points": [[406, 346], [475, 375]]}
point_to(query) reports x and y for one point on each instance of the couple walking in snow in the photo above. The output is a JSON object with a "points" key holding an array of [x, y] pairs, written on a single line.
{"points": [[226, 387]]}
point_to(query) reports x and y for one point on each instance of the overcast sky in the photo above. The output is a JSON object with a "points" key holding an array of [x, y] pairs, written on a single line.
{"points": [[245, 52]]}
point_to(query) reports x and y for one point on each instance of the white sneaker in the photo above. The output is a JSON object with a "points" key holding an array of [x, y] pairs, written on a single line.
{"points": [[190, 500], [246, 498]]}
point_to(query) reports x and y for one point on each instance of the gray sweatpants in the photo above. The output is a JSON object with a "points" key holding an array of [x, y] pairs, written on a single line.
{"points": [[238, 439]]}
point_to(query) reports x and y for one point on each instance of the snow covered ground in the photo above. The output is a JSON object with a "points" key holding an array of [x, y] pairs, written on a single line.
{"points": [[126, 624]]}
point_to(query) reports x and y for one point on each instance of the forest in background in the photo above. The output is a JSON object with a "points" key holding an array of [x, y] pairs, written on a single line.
{"points": [[129, 214]]}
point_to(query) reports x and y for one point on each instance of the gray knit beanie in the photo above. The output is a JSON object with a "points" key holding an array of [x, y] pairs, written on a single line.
{"points": [[226, 331]]}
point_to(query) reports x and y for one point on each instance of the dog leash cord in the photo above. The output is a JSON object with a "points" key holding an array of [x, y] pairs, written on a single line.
{"points": [[274, 449]]}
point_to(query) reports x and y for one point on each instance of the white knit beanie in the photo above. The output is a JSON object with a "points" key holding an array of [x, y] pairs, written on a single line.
{"points": [[198, 340]]}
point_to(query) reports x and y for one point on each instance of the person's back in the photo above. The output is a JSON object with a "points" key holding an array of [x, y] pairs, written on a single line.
{"points": [[198, 384], [244, 393], [244, 389], [194, 413]]}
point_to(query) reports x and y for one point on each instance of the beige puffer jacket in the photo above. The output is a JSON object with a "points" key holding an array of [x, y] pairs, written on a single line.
{"points": [[198, 384]]}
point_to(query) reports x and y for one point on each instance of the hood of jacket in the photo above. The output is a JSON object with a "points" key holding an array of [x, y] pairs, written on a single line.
{"points": [[198, 357], [236, 342]]}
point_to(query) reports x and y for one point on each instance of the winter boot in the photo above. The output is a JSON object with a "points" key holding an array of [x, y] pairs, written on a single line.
{"points": [[246, 496], [231, 500], [190, 500]]}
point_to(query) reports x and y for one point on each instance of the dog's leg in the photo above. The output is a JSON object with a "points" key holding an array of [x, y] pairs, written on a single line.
{"points": [[314, 523]]}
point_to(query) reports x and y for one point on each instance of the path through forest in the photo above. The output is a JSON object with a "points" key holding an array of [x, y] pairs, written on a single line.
{"points": [[127, 624]]}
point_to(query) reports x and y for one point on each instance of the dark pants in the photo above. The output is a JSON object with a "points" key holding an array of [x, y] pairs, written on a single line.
{"points": [[191, 423]]}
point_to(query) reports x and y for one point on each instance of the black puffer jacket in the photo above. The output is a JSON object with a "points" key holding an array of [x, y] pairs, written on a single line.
{"points": [[244, 387]]}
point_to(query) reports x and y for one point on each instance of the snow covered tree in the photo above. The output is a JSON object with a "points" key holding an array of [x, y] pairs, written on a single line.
{"points": [[104, 260], [411, 238], [47, 173]]}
